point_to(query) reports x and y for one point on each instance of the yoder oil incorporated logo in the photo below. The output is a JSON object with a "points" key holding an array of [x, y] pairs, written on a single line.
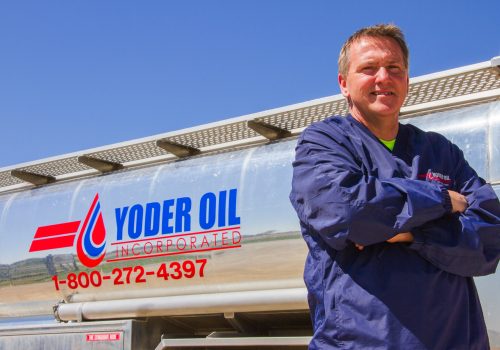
{"points": [[147, 230]]}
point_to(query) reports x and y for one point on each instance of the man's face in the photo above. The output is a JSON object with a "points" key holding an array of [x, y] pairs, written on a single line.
{"points": [[377, 79]]}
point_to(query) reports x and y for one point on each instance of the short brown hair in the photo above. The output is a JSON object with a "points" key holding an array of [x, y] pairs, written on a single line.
{"points": [[380, 30]]}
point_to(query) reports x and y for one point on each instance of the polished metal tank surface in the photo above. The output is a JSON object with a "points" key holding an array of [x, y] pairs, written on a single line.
{"points": [[218, 223], [211, 234]]}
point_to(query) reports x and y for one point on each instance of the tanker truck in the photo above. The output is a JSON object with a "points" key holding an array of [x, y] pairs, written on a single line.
{"points": [[187, 239]]}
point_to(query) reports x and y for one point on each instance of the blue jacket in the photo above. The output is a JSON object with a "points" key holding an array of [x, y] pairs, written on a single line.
{"points": [[348, 187]]}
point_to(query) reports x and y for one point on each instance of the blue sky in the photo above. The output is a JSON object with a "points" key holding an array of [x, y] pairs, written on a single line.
{"points": [[81, 74]]}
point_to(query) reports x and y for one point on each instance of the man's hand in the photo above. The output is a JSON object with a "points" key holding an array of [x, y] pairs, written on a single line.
{"points": [[458, 202], [403, 237], [359, 246]]}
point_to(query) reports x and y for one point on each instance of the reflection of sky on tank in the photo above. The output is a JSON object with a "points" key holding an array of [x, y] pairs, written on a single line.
{"points": [[494, 115], [262, 176], [268, 179], [466, 127], [28, 210]]}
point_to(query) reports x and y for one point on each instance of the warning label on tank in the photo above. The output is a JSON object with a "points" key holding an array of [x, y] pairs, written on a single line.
{"points": [[104, 336]]}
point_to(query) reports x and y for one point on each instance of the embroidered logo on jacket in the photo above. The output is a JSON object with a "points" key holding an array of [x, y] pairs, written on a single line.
{"points": [[435, 176]]}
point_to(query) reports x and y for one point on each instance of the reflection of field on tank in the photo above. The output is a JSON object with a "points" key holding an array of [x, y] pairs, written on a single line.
{"points": [[264, 261]]}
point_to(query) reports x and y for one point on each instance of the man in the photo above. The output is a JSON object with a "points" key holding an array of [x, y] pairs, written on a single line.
{"points": [[392, 251]]}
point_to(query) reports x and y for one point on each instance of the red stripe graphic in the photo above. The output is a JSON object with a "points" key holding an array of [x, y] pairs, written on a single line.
{"points": [[52, 243], [57, 229], [55, 236]]}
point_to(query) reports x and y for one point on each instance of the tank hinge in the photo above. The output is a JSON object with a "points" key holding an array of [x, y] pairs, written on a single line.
{"points": [[269, 131], [177, 149], [102, 165], [35, 179]]}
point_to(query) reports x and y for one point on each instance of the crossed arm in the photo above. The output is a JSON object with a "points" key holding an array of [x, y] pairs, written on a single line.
{"points": [[458, 203]]}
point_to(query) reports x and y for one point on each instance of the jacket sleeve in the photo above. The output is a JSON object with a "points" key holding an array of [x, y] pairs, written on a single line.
{"points": [[466, 244], [338, 201]]}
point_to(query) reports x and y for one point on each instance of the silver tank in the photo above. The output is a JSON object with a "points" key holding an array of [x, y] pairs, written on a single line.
{"points": [[211, 224], [243, 252]]}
